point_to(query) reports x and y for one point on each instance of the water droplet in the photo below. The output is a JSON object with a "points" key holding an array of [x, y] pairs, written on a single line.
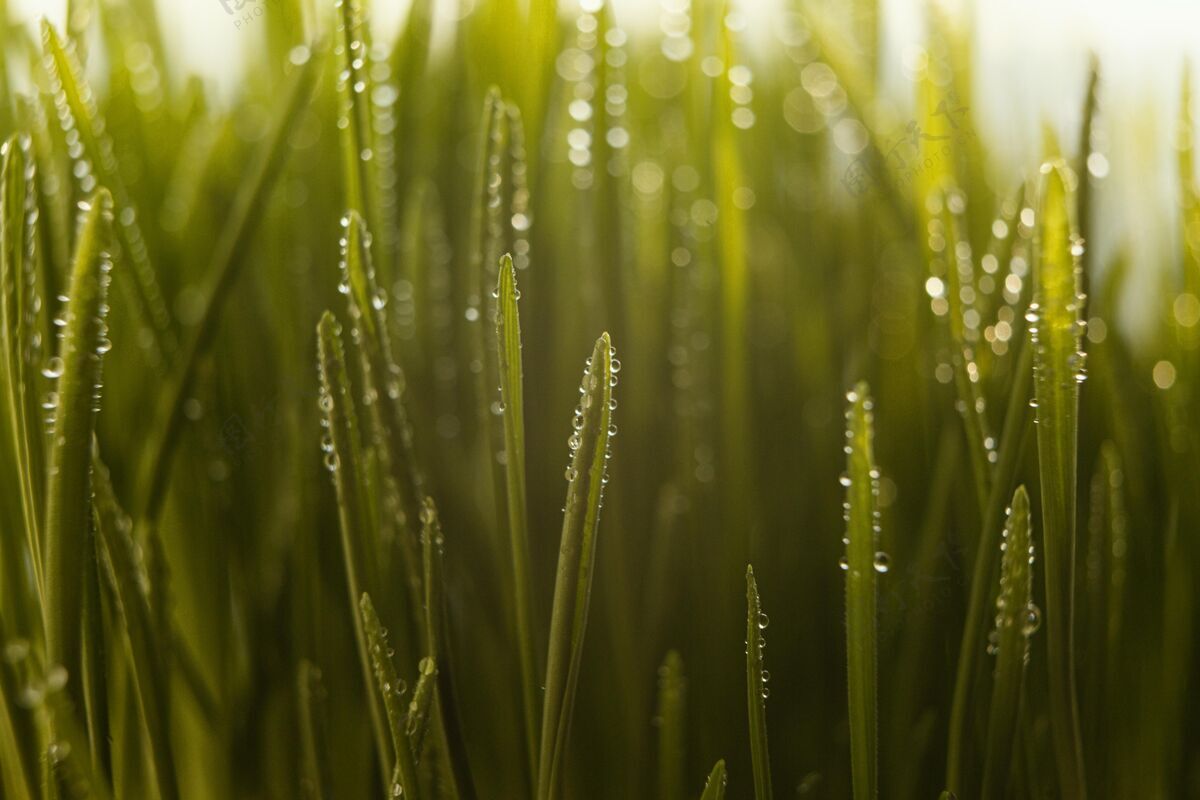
{"points": [[844, 564], [1032, 620], [883, 562], [53, 368]]}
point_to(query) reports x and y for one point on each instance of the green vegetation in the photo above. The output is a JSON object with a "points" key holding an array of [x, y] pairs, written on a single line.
{"points": [[284, 381]]}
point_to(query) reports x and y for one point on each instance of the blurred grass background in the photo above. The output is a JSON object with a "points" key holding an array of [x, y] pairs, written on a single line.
{"points": [[687, 185]]}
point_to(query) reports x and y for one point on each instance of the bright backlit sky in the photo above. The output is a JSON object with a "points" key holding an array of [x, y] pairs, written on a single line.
{"points": [[1030, 63]]}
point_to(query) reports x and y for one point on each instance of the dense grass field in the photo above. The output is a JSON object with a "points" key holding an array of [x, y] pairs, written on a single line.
{"points": [[286, 379]]}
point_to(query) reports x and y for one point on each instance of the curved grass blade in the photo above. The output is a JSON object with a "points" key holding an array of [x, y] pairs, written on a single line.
{"points": [[390, 688], [714, 788], [229, 256], [512, 407], [76, 107], [148, 656], [862, 522], [20, 349], [1056, 327], [671, 709], [1017, 618], [586, 477], [69, 491], [756, 689], [345, 460]]}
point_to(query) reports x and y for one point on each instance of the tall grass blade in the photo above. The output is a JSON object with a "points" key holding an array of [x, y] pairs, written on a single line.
{"points": [[512, 408], [714, 788], [344, 458], [15, 778], [78, 115], [862, 560], [310, 693], [148, 655], [20, 337], [1017, 425], [390, 688], [952, 254], [438, 656], [756, 689], [416, 723], [671, 743], [1017, 618], [77, 393], [229, 256], [586, 476], [1056, 327]]}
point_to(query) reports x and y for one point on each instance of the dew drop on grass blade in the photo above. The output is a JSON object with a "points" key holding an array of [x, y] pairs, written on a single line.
{"points": [[1017, 618], [1056, 329], [512, 410], [861, 562], [756, 689], [586, 476], [714, 787]]}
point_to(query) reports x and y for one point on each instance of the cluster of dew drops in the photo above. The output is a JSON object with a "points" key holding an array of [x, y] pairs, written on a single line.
{"points": [[763, 622], [882, 561], [54, 366], [1030, 617], [586, 385], [1076, 367]]}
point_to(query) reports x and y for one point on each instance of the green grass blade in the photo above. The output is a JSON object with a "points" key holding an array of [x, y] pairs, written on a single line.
{"points": [[512, 407], [1056, 325], [953, 250], [68, 494], [77, 112], [367, 306], [310, 693], [15, 778], [671, 708], [229, 256], [19, 336], [437, 647], [1017, 425], [756, 689], [390, 689], [416, 724], [586, 477], [128, 584], [714, 788], [1016, 620], [861, 549], [345, 460]]}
